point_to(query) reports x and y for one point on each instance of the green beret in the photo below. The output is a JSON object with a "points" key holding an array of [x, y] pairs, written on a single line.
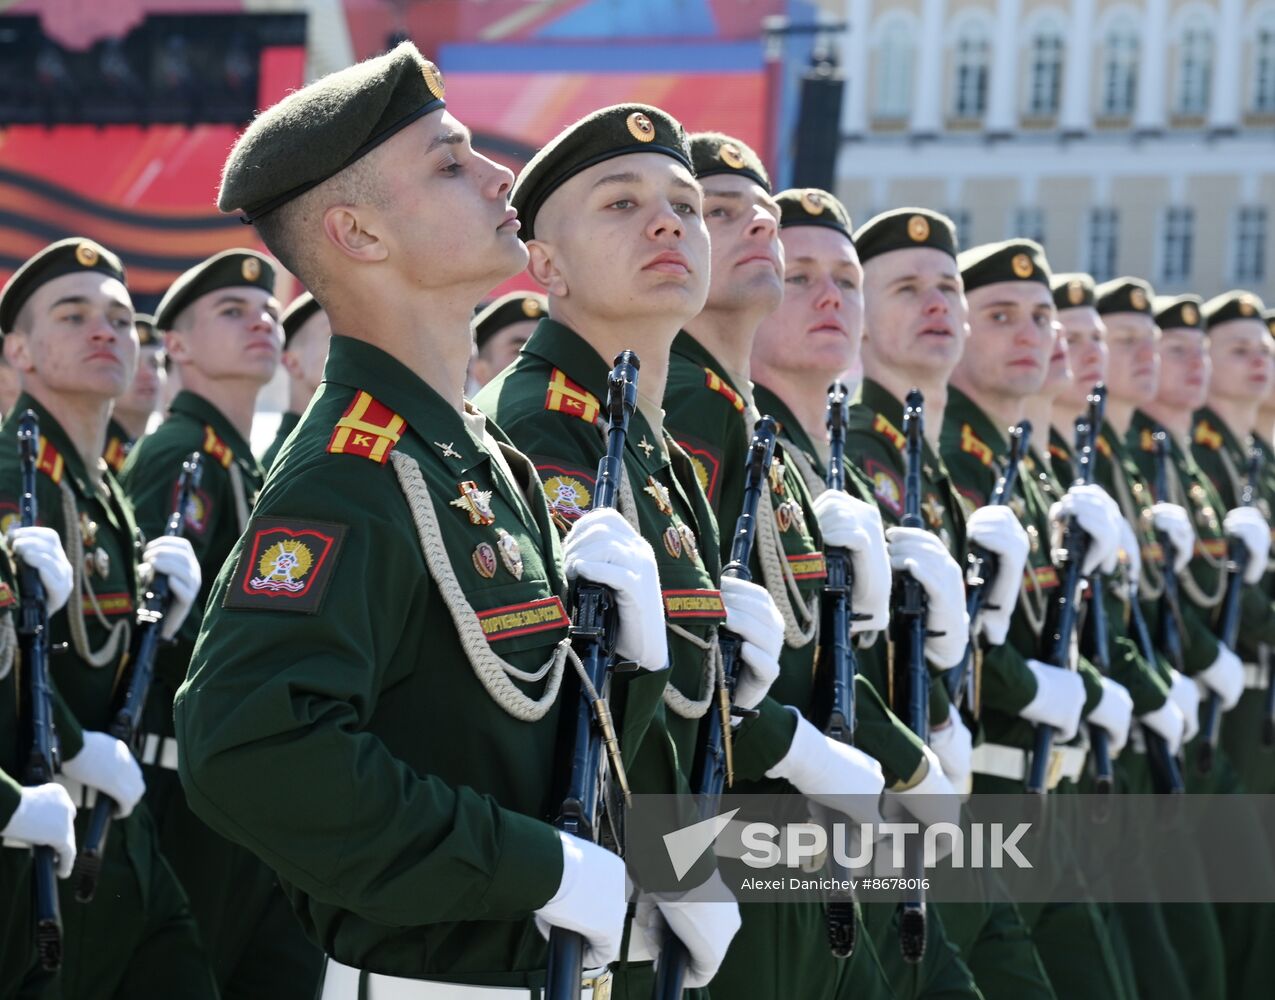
{"points": [[1231, 305], [905, 229], [146, 334], [813, 207], [715, 153], [69, 256], [516, 307], [321, 129], [603, 135], [1176, 312], [1072, 290], [299, 310], [1011, 260], [1123, 295], [228, 269]]}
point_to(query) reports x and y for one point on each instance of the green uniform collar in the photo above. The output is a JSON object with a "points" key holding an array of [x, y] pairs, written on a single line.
{"points": [[877, 398], [1206, 420], [199, 409], [52, 432], [790, 427], [961, 409]]}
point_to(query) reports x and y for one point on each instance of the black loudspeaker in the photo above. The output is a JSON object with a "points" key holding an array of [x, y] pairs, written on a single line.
{"points": [[818, 128]]}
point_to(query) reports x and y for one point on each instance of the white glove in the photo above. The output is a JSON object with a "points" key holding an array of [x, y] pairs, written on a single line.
{"points": [[920, 553], [41, 549], [1224, 677], [1132, 552], [45, 817], [848, 523], [1099, 518], [931, 800], [590, 900], [104, 763], [1169, 722], [175, 559], [998, 530], [602, 547], [1114, 713], [954, 746], [752, 615], [704, 926], [1060, 698], [1248, 525], [1174, 522], [828, 771], [1186, 696]]}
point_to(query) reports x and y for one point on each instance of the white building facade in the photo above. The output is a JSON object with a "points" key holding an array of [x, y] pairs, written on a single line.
{"points": [[1129, 138]]}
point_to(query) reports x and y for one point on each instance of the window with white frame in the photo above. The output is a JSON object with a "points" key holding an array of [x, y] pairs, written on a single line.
{"points": [[1264, 64], [1250, 244], [896, 59], [972, 56], [1120, 68], [1028, 224], [1195, 66], [1179, 240], [1104, 228], [1044, 90]]}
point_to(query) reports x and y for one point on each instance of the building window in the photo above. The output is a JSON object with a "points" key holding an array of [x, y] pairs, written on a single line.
{"points": [[1103, 229], [1195, 67], [896, 56], [1250, 244], [1029, 224], [1264, 65], [973, 50], [1045, 86], [1120, 69], [1179, 238]]}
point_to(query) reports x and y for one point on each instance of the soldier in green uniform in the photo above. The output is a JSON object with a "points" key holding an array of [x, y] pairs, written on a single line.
{"points": [[132, 412], [500, 330], [37, 815], [373, 706], [306, 332], [68, 330], [222, 331], [914, 332], [710, 411]]}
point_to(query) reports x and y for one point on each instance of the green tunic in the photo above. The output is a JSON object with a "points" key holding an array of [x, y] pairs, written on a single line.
{"points": [[332, 720], [287, 423], [118, 444], [223, 880], [139, 921]]}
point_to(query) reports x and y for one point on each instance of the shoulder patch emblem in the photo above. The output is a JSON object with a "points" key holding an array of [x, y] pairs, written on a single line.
{"points": [[886, 487], [718, 384], [706, 462], [882, 426], [368, 429], [1205, 435], [972, 444], [217, 448], [9, 517], [198, 509], [285, 565], [49, 461], [565, 396], [567, 491]]}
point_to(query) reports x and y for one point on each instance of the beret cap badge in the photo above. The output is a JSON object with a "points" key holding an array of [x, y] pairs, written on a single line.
{"points": [[1247, 308], [919, 228], [530, 308], [731, 156], [1021, 265], [250, 269], [433, 79], [1190, 314], [812, 201], [86, 254], [1138, 298], [1076, 291], [640, 127]]}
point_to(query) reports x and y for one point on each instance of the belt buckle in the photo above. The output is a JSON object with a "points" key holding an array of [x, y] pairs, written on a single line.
{"points": [[1053, 773], [600, 984]]}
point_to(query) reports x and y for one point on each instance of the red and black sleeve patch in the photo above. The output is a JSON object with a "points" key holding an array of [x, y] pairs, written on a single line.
{"points": [[886, 486], [198, 512], [707, 463], [513, 620], [285, 565], [701, 604], [568, 490]]}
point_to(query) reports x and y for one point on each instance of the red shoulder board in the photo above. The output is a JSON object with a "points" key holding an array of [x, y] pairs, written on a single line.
{"points": [[49, 461], [1147, 440], [368, 429], [217, 448], [1104, 447], [1207, 436], [115, 454], [718, 384], [972, 444], [883, 426], [564, 396]]}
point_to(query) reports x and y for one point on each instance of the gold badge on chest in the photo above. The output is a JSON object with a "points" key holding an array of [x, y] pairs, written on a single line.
{"points": [[673, 541], [474, 502], [510, 553], [777, 477], [933, 511], [783, 516], [659, 492], [485, 560], [96, 560]]}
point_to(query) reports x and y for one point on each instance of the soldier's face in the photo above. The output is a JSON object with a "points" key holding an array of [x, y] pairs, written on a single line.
{"points": [[1134, 369], [1059, 376], [915, 313], [819, 325], [500, 350], [80, 338], [230, 333], [1011, 338], [747, 256], [1184, 369], [624, 239], [1086, 337], [307, 352], [1238, 354], [148, 384]]}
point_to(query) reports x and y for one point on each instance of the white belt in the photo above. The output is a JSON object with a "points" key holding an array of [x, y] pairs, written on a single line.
{"points": [[82, 795], [341, 982], [1012, 763], [1254, 677], [160, 751]]}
